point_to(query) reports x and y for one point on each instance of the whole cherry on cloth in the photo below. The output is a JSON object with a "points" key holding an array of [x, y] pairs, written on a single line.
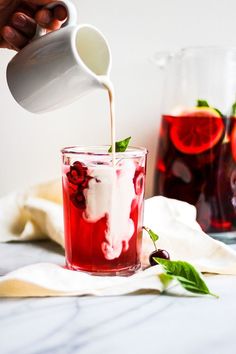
{"points": [[158, 253], [183, 272]]}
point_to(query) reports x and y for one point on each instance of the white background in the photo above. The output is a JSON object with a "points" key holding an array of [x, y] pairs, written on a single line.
{"points": [[30, 144]]}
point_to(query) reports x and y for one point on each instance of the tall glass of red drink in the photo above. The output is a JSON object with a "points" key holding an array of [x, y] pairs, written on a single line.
{"points": [[103, 209]]}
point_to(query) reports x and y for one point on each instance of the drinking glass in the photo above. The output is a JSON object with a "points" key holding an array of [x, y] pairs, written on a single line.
{"points": [[103, 209]]}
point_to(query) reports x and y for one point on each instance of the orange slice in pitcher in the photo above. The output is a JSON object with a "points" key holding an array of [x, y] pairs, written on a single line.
{"points": [[196, 130]]}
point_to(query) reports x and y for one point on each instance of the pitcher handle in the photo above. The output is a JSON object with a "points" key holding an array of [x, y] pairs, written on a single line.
{"points": [[71, 16]]}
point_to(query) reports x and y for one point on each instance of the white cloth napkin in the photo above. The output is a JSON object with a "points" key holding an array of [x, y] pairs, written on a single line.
{"points": [[37, 214]]}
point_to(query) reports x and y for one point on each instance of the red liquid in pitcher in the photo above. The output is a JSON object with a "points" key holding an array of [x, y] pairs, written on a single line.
{"points": [[197, 164], [103, 235]]}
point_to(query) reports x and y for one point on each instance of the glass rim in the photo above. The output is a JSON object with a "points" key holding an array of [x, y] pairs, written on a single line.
{"points": [[102, 150]]}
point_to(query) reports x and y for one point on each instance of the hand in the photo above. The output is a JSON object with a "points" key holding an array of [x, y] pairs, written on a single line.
{"points": [[18, 21]]}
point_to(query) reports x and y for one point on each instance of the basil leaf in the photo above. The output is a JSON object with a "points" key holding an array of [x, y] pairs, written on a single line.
{"points": [[121, 145], [154, 237], [165, 279], [233, 111], [202, 103], [186, 275]]}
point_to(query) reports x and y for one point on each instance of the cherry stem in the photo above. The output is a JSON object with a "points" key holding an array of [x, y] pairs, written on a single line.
{"points": [[155, 245], [147, 230]]}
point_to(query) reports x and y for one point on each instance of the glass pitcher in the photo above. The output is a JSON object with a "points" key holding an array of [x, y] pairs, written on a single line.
{"points": [[196, 156]]}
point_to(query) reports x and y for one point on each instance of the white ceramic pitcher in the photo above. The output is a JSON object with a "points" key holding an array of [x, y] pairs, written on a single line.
{"points": [[57, 68]]}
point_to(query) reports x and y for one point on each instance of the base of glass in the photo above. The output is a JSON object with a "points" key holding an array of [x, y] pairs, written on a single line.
{"points": [[228, 237], [122, 272]]}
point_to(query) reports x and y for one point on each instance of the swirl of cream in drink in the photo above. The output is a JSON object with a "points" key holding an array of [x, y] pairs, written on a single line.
{"points": [[110, 193]]}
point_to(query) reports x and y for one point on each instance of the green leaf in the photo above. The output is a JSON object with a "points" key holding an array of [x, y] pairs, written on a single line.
{"points": [[233, 111], [121, 145], [165, 279], [152, 234], [202, 103], [186, 275]]}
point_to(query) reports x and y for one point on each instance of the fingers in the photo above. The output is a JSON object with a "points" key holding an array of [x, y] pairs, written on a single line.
{"points": [[24, 24], [21, 27], [51, 19], [28, 8], [14, 38], [44, 17], [60, 13], [54, 25]]}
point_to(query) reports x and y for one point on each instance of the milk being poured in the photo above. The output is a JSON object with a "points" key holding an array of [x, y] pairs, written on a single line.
{"points": [[95, 53], [111, 192], [111, 94]]}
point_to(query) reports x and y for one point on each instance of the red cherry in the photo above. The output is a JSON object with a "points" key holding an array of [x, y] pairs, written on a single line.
{"points": [[158, 254], [79, 180], [77, 173], [78, 200]]}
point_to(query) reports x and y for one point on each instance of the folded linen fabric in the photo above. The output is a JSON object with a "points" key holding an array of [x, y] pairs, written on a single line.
{"points": [[37, 214]]}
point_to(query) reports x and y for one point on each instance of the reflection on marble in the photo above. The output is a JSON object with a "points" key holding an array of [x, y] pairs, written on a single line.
{"points": [[125, 324]]}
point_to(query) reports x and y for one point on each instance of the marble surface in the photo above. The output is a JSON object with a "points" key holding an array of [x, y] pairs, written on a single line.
{"points": [[146, 323]]}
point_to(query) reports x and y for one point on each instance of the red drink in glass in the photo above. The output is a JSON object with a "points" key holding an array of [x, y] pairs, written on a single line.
{"points": [[196, 163], [103, 209]]}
